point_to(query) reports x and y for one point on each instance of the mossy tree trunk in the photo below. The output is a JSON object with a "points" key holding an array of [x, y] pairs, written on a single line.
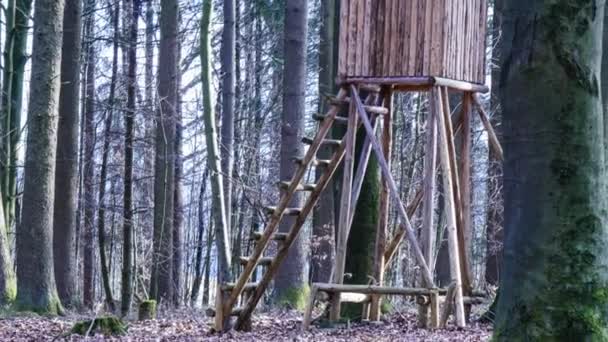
{"points": [[554, 285], [291, 282], [360, 247], [35, 272]]}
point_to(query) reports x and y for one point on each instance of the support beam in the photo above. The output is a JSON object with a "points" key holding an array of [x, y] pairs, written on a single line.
{"points": [[461, 228], [450, 210], [428, 207], [464, 235], [494, 143], [393, 188]]}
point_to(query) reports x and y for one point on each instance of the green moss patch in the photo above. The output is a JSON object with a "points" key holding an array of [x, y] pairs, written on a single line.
{"points": [[108, 326], [295, 297]]}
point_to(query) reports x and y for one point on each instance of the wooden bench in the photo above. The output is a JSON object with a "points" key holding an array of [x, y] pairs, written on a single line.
{"points": [[363, 294]]}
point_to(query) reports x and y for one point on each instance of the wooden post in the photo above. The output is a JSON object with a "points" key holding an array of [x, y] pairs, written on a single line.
{"points": [[380, 244], [428, 226], [460, 199], [392, 187], [450, 209], [309, 307], [345, 206], [464, 238], [494, 143]]}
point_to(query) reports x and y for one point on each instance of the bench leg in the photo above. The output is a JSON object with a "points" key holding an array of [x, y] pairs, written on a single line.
{"points": [[309, 307]]}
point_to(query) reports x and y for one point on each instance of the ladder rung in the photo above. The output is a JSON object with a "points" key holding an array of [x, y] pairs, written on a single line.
{"points": [[337, 102], [338, 119], [288, 211], [265, 261], [376, 110], [331, 142], [275, 236], [301, 187], [248, 286], [315, 162], [370, 109], [210, 312]]}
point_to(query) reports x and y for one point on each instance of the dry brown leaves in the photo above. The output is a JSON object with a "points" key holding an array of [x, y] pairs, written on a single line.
{"points": [[276, 326]]}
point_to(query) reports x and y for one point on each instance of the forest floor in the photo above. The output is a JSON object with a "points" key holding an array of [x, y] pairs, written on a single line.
{"points": [[274, 326]]}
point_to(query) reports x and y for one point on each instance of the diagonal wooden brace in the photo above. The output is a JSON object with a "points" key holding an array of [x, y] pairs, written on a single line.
{"points": [[426, 273]]}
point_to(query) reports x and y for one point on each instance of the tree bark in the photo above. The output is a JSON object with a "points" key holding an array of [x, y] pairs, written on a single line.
{"points": [[178, 212], [66, 173], [88, 181], [554, 282], [198, 269], [35, 271], [228, 89], [101, 214], [291, 282], [323, 227], [127, 241], [222, 236], [162, 272]]}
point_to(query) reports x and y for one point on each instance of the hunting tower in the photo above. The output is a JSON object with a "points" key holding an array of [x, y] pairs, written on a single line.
{"points": [[430, 47]]}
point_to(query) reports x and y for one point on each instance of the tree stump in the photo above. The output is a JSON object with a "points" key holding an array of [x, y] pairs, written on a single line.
{"points": [[147, 310]]}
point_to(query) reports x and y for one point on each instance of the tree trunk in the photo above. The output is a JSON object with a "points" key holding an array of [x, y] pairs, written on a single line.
{"points": [[228, 89], [162, 268], [127, 241], [291, 282], [198, 269], [17, 19], [66, 173], [222, 236], [323, 227], [35, 271], [8, 282], [101, 214], [554, 281], [178, 213], [88, 181]]}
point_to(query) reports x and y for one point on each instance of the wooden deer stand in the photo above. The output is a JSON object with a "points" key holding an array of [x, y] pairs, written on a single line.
{"points": [[432, 46]]}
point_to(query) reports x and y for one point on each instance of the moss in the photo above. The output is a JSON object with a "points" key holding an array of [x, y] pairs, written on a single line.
{"points": [[108, 326], [52, 307], [558, 261], [360, 247], [10, 292], [295, 297], [147, 310]]}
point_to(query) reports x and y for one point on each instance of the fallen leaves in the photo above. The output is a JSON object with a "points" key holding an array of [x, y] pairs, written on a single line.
{"points": [[274, 326]]}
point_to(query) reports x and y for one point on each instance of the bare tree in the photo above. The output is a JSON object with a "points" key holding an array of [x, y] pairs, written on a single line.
{"points": [[66, 173], [292, 279], [35, 271], [162, 273]]}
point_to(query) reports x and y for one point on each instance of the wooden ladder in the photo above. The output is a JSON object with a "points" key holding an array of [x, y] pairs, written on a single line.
{"points": [[255, 291]]}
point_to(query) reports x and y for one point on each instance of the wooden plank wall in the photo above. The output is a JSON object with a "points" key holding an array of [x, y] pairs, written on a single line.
{"points": [[396, 38]]}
